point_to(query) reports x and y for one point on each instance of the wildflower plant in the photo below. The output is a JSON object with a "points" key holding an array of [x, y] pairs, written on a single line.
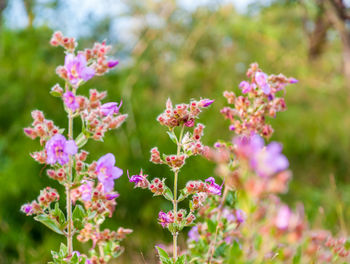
{"points": [[88, 187], [250, 170], [186, 134], [250, 223]]}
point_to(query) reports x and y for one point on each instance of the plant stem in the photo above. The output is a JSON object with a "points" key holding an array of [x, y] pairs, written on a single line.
{"points": [[176, 173], [213, 242], [68, 186]]}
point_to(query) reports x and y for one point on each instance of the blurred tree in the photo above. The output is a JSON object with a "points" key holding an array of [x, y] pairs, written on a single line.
{"points": [[340, 15], [29, 5], [3, 4], [326, 14]]}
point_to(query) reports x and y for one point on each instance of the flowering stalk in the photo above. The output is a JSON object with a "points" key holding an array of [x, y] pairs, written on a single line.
{"points": [[176, 173], [88, 187], [182, 116]]}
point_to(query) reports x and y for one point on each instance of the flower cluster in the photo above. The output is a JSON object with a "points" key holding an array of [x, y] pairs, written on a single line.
{"points": [[42, 128], [258, 101], [46, 197], [188, 144], [182, 114], [89, 187]]}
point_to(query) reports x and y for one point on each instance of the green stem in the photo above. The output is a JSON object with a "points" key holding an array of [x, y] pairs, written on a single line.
{"points": [[68, 194], [213, 242], [176, 173]]}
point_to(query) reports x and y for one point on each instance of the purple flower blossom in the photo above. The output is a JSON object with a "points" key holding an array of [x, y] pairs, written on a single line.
{"points": [[245, 86], [212, 187], [86, 191], [27, 209], [292, 80], [107, 172], [269, 160], [110, 108], [77, 69], [112, 63], [193, 234], [261, 80], [283, 217], [247, 146], [58, 149], [266, 161], [69, 101], [206, 102], [135, 179], [112, 196], [163, 219], [240, 216]]}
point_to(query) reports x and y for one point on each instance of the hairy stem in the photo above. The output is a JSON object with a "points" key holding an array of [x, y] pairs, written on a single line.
{"points": [[213, 242], [68, 186], [176, 173]]}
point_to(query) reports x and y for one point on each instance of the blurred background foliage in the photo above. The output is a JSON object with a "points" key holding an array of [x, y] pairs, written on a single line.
{"points": [[169, 49]]}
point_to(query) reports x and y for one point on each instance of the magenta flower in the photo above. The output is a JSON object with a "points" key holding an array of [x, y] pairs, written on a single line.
{"points": [[246, 146], [107, 172], [110, 108], [212, 187], [163, 219], [70, 101], [265, 161], [136, 179], [112, 63], [206, 102], [27, 209], [245, 87], [58, 149], [193, 234], [86, 191], [240, 216], [261, 80], [77, 69], [283, 217], [292, 80], [269, 160], [112, 196]]}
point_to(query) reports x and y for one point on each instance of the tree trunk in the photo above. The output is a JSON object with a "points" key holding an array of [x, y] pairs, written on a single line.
{"points": [[339, 23]]}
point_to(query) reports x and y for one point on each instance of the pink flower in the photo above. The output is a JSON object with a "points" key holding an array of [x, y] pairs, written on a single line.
{"points": [[261, 80], [110, 108], [27, 209], [245, 86], [112, 63], [58, 149], [86, 191], [70, 101], [77, 69], [107, 172], [212, 187], [283, 217], [164, 219]]}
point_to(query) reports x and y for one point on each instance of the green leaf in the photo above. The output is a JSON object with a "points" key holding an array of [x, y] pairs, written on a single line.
{"points": [[163, 256], [55, 94], [57, 212], [50, 223], [297, 256], [172, 136], [211, 226], [168, 194], [78, 216], [231, 199], [181, 260], [63, 251], [81, 140], [74, 259]]}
